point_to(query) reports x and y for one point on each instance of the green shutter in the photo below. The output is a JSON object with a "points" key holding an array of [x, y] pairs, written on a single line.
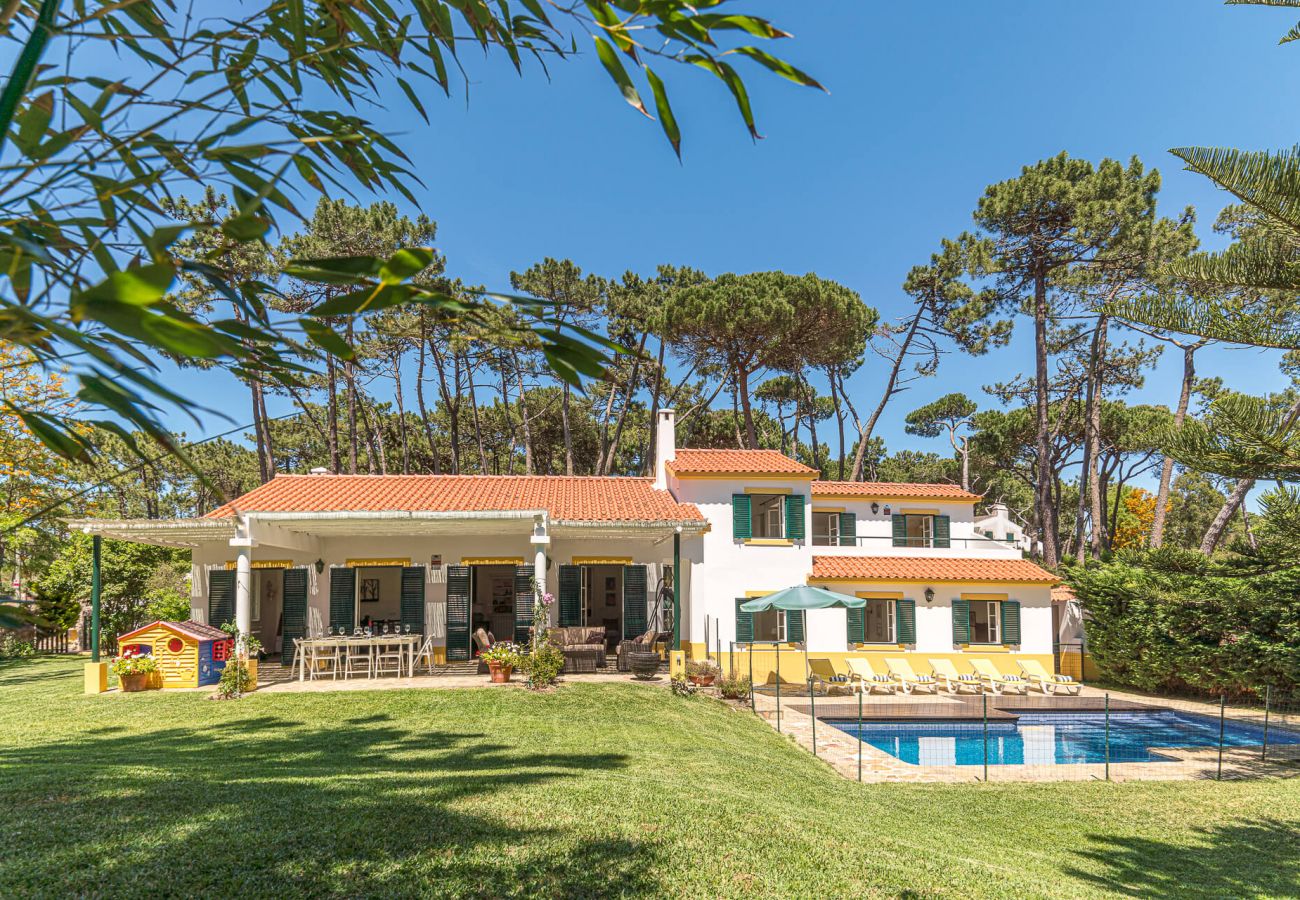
{"points": [[221, 597], [1011, 621], [742, 523], [523, 604], [634, 602], [942, 531], [960, 622], [570, 596], [413, 598], [794, 630], [848, 529], [295, 612], [457, 612], [794, 517], [900, 529], [905, 621], [343, 597], [744, 623], [857, 622]]}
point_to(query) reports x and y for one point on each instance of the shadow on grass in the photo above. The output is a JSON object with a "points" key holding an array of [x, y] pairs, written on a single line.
{"points": [[358, 807], [1254, 858]]}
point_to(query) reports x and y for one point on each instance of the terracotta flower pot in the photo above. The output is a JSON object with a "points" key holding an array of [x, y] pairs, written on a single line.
{"points": [[500, 672], [132, 683], [702, 680]]}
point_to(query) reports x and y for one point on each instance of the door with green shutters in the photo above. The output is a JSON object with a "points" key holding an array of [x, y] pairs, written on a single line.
{"points": [[413, 598], [295, 612], [635, 585], [571, 611], [742, 522], [458, 603], [343, 598], [523, 604], [221, 597]]}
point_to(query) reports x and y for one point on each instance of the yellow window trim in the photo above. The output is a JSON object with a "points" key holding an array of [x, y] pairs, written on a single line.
{"points": [[750, 595], [829, 509], [491, 560], [880, 595], [374, 563], [769, 542], [263, 564], [882, 646], [768, 490], [602, 560], [999, 597], [985, 648], [909, 511]]}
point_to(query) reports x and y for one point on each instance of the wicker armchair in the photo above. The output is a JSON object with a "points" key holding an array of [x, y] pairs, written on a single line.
{"points": [[643, 642], [583, 647]]}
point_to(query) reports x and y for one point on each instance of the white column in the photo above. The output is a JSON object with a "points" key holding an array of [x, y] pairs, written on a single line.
{"points": [[244, 589], [540, 541]]}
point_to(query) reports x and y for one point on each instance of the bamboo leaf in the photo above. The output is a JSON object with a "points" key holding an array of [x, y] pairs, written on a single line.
{"points": [[609, 59]]}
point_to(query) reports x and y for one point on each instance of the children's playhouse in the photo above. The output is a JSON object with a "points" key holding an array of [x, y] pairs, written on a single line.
{"points": [[189, 654]]}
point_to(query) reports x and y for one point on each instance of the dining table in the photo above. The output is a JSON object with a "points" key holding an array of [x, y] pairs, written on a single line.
{"points": [[371, 643]]}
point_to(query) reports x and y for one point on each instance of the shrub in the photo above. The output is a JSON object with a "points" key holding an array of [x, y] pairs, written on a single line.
{"points": [[681, 685], [735, 687], [702, 668], [235, 681], [1159, 624], [12, 648], [543, 665]]}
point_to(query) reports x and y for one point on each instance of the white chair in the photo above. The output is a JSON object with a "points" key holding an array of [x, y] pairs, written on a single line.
{"points": [[389, 658], [322, 657], [425, 653], [358, 658]]}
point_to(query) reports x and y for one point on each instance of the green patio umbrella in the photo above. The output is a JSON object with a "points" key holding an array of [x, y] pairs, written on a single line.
{"points": [[803, 596]]}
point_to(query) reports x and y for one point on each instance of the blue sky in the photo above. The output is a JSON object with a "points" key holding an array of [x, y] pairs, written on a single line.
{"points": [[928, 104]]}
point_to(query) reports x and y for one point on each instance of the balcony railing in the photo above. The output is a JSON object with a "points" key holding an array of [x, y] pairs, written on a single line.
{"points": [[877, 541]]}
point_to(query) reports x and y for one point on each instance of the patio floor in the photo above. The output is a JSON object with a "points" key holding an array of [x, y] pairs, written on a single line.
{"points": [[275, 678]]}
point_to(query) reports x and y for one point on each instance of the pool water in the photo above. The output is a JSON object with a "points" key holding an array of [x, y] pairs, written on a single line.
{"points": [[1054, 738]]}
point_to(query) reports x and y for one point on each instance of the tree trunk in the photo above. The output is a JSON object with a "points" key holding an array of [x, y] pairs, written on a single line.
{"points": [[832, 377], [1043, 482], [478, 427], [812, 427], [419, 397], [747, 411], [350, 374], [1250, 532], [1098, 536], [523, 419], [628, 394], [864, 434], [1226, 512], [1167, 465], [568, 435], [655, 395], [332, 407], [401, 414], [450, 402], [262, 432]]}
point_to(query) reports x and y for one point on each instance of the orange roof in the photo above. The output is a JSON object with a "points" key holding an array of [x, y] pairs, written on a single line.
{"points": [[890, 490], [578, 498], [1062, 593], [927, 568], [737, 462]]}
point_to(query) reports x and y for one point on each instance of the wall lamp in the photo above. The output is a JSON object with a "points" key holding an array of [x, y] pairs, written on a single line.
{"points": [[929, 595], [319, 565], [875, 508]]}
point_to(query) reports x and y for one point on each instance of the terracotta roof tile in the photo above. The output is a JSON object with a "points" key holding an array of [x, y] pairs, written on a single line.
{"points": [[739, 462], [1062, 593], [889, 490], [928, 568], [586, 499]]}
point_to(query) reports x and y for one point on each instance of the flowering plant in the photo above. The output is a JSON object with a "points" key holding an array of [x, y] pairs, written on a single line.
{"points": [[133, 663], [504, 652]]}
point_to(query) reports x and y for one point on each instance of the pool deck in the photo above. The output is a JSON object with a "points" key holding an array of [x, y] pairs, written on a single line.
{"points": [[842, 751]]}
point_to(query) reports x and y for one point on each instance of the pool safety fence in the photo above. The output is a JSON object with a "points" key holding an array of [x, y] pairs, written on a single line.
{"points": [[889, 727]]}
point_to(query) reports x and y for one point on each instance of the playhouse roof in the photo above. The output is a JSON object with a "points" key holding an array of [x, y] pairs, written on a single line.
{"points": [[199, 631]]}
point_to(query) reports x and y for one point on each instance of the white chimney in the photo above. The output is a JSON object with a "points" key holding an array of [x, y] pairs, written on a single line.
{"points": [[320, 470], [665, 445]]}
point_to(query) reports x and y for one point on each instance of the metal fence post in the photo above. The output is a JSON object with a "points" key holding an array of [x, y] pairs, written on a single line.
{"points": [[812, 700], [860, 734], [753, 704], [1223, 700], [985, 698], [731, 660], [1268, 690], [1108, 737]]}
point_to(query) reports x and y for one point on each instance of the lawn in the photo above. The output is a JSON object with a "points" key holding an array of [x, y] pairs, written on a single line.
{"points": [[594, 790]]}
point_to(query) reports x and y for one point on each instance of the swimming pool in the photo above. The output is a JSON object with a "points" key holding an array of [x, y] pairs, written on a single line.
{"points": [[1055, 738]]}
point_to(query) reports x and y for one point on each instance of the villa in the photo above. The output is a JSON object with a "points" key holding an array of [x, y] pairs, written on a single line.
{"points": [[445, 555]]}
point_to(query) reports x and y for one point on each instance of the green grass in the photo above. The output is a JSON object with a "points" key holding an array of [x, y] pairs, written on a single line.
{"points": [[594, 790]]}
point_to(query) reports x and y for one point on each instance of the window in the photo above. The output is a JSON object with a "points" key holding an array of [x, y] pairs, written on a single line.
{"points": [[880, 622], [767, 519], [769, 625], [985, 622], [920, 530], [826, 529]]}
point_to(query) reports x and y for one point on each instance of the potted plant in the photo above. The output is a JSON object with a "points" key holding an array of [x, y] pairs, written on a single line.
{"points": [[701, 673], [134, 671], [501, 659]]}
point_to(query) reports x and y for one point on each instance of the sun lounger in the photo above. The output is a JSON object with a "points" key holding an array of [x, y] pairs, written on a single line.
{"points": [[952, 680], [901, 670], [865, 678], [1044, 680], [995, 681], [822, 677]]}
